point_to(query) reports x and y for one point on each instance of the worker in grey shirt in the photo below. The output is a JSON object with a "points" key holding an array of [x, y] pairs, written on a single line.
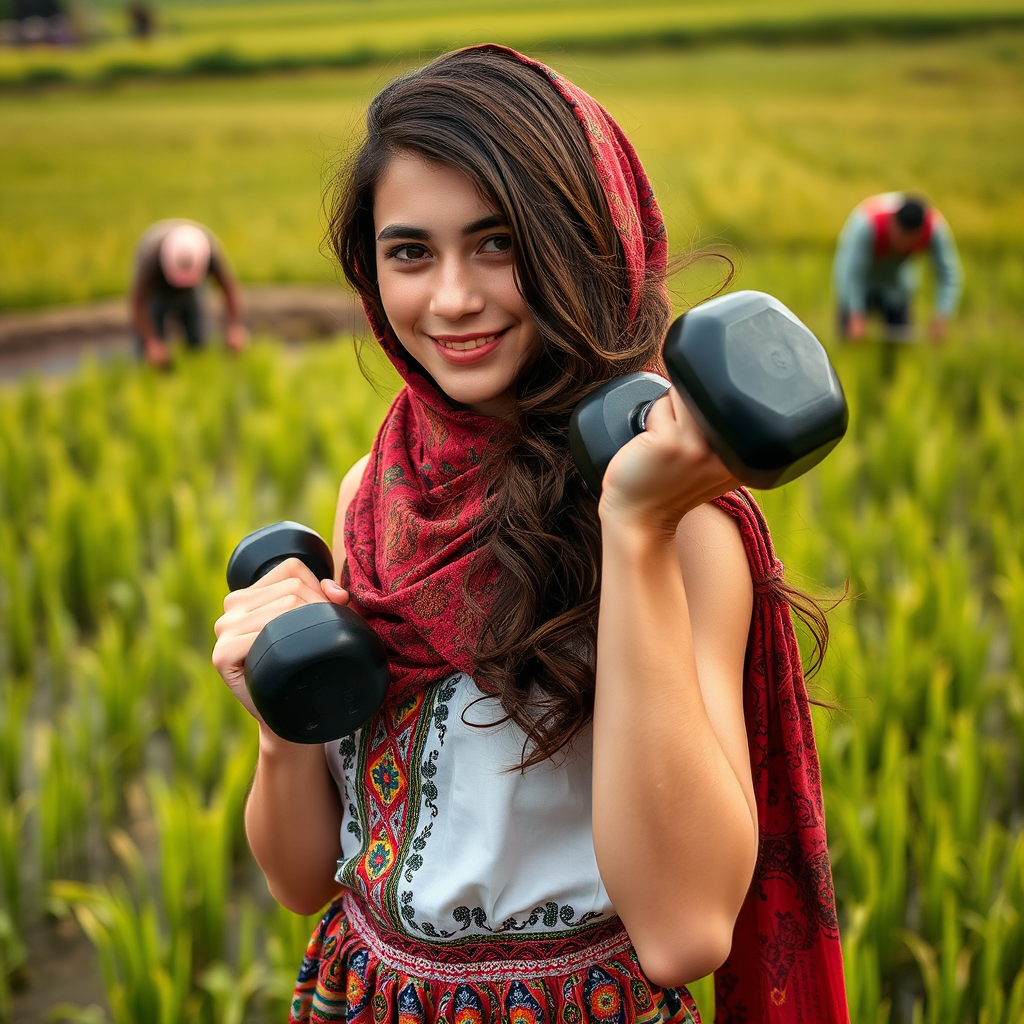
{"points": [[172, 260], [873, 272]]}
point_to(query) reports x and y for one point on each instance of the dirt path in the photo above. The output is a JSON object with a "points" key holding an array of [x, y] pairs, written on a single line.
{"points": [[54, 340]]}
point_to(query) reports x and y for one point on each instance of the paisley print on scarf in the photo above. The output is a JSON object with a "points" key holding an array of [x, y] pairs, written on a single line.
{"points": [[409, 530]]}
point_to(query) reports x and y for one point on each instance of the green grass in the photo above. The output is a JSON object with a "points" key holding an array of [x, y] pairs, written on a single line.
{"points": [[233, 38], [767, 149]]}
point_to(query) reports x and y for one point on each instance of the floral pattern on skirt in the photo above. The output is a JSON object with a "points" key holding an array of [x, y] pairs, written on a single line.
{"points": [[344, 979]]}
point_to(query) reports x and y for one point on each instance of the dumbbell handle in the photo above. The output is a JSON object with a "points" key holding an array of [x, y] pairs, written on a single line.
{"points": [[638, 417]]}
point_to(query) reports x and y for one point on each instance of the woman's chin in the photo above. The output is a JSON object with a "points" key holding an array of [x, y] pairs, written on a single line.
{"points": [[487, 403]]}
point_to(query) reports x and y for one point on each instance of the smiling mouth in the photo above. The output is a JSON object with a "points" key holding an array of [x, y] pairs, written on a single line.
{"points": [[470, 343]]}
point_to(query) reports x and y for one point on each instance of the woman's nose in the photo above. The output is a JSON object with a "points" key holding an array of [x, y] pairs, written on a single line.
{"points": [[456, 293]]}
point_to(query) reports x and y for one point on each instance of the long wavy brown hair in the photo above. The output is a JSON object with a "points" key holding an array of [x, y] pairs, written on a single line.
{"points": [[518, 140]]}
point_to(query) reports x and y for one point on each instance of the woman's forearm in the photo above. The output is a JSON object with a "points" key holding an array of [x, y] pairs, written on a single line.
{"points": [[673, 830], [293, 822]]}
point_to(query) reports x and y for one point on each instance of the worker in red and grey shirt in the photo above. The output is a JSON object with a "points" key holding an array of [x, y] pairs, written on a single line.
{"points": [[172, 260], [873, 272]]}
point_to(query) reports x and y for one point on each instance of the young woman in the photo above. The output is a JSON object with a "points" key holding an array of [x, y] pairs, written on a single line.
{"points": [[594, 779]]}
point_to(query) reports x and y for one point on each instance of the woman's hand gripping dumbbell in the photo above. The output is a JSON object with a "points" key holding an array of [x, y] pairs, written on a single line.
{"points": [[315, 671], [756, 380]]}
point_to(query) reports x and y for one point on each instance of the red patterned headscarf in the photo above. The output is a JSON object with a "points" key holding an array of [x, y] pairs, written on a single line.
{"points": [[411, 542]]}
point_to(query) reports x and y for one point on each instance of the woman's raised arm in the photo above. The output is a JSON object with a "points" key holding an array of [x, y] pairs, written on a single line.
{"points": [[674, 818]]}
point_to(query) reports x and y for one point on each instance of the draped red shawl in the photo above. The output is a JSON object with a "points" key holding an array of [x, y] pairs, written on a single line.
{"points": [[410, 539]]}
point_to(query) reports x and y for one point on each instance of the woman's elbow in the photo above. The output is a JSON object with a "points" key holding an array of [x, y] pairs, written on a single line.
{"points": [[304, 903], [693, 951]]}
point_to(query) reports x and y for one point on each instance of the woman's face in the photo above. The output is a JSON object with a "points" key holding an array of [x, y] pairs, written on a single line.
{"points": [[445, 272]]}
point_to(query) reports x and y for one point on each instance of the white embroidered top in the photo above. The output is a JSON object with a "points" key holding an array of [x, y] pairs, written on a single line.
{"points": [[442, 843]]}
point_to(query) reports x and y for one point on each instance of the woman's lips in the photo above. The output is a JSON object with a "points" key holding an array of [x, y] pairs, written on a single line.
{"points": [[467, 348], [467, 342]]}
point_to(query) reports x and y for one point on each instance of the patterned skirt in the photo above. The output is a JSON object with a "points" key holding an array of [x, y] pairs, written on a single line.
{"points": [[355, 973]]}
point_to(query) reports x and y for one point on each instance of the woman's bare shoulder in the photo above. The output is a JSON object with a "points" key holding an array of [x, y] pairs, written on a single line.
{"points": [[346, 492], [350, 482]]}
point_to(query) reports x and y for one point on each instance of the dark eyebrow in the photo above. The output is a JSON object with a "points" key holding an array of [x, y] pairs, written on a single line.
{"points": [[492, 220], [403, 231]]}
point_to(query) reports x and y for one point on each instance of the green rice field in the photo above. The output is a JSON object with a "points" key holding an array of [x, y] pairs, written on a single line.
{"points": [[766, 149], [124, 761]]}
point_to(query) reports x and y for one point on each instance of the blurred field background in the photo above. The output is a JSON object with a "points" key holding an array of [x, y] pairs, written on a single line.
{"points": [[245, 37], [123, 760]]}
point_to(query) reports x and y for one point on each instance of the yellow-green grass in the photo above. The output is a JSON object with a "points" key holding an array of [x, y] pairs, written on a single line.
{"points": [[766, 149], [232, 38]]}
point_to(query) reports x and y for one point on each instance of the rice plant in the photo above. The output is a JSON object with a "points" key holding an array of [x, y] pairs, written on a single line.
{"points": [[147, 971]]}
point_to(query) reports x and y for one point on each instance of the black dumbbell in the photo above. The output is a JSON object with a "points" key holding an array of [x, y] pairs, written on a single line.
{"points": [[756, 380], [317, 672]]}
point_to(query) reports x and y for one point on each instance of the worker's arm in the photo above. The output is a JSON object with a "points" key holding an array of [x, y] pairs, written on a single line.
{"points": [[852, 262], [236, 332], [155, 349], [948, 273]]}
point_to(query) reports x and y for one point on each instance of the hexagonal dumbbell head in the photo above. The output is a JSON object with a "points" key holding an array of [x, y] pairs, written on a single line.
{"points": [[316, 673], [759, 384]]}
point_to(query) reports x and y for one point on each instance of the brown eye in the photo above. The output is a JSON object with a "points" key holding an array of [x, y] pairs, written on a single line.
{"points": [[498, 243], [408, 252]]}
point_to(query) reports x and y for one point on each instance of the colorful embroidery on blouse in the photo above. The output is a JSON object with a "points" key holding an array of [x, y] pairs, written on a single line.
{"points": [[388, 813]]}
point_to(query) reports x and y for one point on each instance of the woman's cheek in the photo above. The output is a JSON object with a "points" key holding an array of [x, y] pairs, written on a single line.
{"points": [[390, 286]]}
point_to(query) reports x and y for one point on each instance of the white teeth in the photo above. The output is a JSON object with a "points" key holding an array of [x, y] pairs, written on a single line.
{"points": [[465, 346]]}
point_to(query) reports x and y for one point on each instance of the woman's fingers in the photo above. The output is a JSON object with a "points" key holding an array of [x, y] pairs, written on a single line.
{"points": [[674, 434], [288, 569], [278, 597], [229, 660], [230, 650], [668, 469], [681, 411], [675, 415], [669, 414], [241, 623], [287, 586], [250, 598], [247, 620]]}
